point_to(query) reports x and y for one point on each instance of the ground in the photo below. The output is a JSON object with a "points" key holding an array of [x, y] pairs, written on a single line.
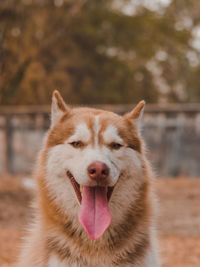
{"points": [[178, 223]]}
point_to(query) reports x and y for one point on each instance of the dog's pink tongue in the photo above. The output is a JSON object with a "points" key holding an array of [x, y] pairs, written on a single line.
{"points": [[94, 214]]}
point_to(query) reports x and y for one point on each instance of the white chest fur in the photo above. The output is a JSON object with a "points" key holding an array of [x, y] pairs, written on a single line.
{"points": [[54, 261]]}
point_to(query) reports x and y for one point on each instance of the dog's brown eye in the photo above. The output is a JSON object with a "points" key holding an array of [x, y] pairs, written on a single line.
{"points": [[76, 144], [115, 146]]}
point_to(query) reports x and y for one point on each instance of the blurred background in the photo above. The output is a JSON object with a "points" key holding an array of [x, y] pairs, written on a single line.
{"points": [[108, 54]]}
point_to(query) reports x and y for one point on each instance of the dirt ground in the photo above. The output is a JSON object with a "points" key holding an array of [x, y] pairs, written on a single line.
{"points": [[178, 223]]}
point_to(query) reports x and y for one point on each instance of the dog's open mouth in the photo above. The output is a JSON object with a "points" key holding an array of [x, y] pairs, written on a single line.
{"points": [[78, 188], [94, 212]]}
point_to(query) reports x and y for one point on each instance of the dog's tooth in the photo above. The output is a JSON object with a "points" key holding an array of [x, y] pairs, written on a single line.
{"points": [[81, 189]]}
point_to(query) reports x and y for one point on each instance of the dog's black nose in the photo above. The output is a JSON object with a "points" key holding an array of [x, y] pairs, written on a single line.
{"points": [[98, 170]]}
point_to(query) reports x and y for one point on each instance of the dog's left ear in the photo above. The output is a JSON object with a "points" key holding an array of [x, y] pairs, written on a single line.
{"points": [[58, 108], [136, 115]]}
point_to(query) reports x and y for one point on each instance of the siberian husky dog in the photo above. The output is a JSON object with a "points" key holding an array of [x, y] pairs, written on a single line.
{"points": [[95, 203]]}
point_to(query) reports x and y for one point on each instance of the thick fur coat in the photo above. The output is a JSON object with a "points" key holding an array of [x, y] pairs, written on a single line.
{"points": [[64, 233]]}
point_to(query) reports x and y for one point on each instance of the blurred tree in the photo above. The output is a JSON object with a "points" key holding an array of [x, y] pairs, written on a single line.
{"points": [[98, 51]]}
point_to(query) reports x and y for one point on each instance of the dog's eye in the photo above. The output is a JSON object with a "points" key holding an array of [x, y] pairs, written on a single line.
{"points": [[76, 144], [115, 146]]}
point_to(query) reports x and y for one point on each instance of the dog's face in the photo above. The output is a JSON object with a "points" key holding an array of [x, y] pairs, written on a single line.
{"points": [[88, 151]]}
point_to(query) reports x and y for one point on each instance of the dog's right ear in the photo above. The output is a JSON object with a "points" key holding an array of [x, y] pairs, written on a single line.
{"points": [[58, 108], [136, 115]]}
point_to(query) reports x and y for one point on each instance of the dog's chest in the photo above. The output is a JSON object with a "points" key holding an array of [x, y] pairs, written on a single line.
{"points": [[148, 261], [54, 261]]}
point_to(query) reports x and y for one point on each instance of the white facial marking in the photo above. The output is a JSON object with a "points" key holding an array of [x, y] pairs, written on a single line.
{"points": [[97, 127], [82, 133], [64, 157], [111, 135]]}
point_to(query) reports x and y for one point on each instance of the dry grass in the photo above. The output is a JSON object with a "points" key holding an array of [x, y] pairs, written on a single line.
{"points": [[179, 221]]}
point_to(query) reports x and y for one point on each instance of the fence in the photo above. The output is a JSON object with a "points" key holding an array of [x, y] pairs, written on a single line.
{"points": [[172, 134]]}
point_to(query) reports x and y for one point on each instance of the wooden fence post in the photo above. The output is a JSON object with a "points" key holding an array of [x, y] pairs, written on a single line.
{"points": [[8, 143]]}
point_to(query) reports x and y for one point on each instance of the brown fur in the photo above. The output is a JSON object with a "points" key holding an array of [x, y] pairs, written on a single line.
{"points": [[59, 234]]}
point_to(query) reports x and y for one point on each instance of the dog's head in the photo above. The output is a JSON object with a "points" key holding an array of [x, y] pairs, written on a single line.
{"points": [[88, 153]]}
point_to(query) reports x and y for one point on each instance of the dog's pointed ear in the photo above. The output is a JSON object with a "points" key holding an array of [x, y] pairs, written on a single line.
{"points": [[136, 115], [58, 107]]}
